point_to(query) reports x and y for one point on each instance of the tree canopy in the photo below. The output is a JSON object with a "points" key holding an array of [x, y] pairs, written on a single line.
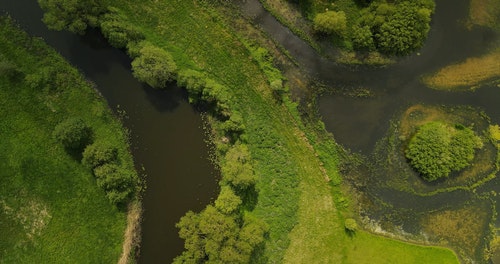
{"points": [[437, 149]]}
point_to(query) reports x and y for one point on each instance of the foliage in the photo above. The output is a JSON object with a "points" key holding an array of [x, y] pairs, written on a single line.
{"points": [[73, 15], [227, 201], [331, 22], [116, 181], [362, 38], [405, 30], [350, 225], [237, 170], [98, 154], [154, 66], [437, 149], [73, 133], [117, 30], [216, 237]]}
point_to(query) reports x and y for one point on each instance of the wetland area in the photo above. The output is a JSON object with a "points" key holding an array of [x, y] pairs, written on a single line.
{"points": [[371, 111]]}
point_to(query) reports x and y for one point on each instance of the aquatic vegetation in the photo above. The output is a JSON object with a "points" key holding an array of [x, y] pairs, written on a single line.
{"points": [[466, 75]]}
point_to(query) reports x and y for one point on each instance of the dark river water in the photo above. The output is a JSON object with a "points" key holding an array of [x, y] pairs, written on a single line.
{"points": [[166, 132]]}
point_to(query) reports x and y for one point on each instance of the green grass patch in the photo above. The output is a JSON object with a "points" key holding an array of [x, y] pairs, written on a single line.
{"points": [[51, 210], [368, 248]]}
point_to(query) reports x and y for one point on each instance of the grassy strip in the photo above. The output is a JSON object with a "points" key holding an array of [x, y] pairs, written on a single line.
{"points": [[293, 191], [484, 13], [51, 209]]}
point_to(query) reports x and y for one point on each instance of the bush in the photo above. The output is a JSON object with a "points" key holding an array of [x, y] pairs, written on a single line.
{"points": [[437, 149], [118, 183], [154, 66], [73, 134], [227, 201], [350, 225], [331, 22], [99, 154]]}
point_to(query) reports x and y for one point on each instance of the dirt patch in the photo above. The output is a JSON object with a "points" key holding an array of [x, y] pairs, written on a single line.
{"points": [[132, 234]]}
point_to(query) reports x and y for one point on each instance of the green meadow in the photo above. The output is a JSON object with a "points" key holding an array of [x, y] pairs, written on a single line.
{"points": [[51, 209]]}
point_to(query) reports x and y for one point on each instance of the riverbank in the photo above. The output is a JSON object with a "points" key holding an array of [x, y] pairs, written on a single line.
{"points": [[52, 210], [290, 176]]}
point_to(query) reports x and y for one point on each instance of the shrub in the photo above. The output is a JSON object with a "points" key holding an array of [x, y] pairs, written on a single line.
{"points": [[154, 66], [73, 133], [350, 225], [227, 201], [236, 169], [74, 16], [99, 154], [437, 149], [331, 22]]}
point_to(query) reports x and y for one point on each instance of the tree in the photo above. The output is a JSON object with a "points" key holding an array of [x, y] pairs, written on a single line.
{"points": [[154, 66], [73, 134], [362, 38], [405, 30], [236, 169], [73, 15], [331, 22], [227, 201], [117, 182]]}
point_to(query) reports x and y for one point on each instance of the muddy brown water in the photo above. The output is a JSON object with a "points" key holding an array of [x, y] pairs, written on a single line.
{"points": [[167, 137]]}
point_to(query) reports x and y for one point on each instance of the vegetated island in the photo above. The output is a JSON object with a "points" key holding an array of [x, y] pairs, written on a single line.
{"points": [[281, 198], [363, 31], [69, 187]]}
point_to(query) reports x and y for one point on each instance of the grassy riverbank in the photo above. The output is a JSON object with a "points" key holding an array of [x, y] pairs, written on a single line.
{"points": [[51, 209], [294, 196]]}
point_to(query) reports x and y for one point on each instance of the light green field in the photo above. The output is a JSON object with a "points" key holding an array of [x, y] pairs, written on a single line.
{"points": [[51, 210]]}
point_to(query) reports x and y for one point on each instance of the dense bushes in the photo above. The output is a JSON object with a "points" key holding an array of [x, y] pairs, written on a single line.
{"points": [[154, 66], [437, 149], [73, 134], [331, 22], [391, 27]]}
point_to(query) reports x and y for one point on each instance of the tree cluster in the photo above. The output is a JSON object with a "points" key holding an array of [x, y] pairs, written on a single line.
{"points": [[392, 27], [437, 149], [118, 182]]}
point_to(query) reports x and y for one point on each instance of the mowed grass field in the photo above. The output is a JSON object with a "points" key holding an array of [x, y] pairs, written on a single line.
{"points": [[51, 210], [294, 197]]}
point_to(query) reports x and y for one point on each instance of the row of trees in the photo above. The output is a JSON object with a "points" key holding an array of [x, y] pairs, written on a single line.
{"points": [[398, 27], [118, 182]]}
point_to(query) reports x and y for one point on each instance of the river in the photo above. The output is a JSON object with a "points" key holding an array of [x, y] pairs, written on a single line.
{"points": [[167, 136]]}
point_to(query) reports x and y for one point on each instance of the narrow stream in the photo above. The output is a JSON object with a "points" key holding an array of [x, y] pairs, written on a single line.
{"points": [[166, 132]]}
